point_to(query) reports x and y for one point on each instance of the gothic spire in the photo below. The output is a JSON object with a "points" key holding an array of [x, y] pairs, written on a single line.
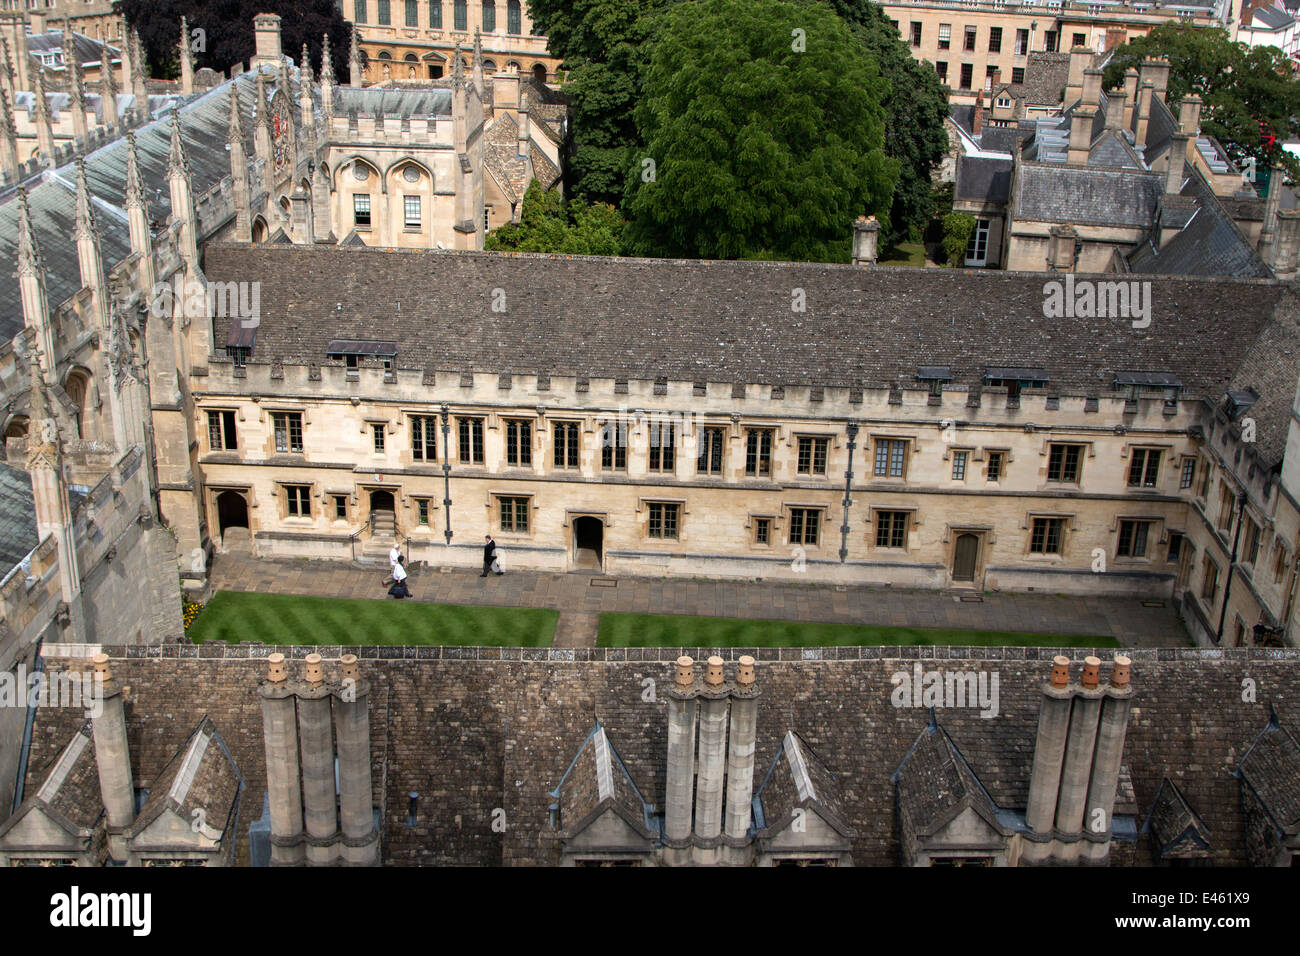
{"points": [[354, 61], [85, 221], [305, 67], [457, 71], [326, 62], [176, 161], [108, 85], [235, 125], [134, 181], [29, 253]]}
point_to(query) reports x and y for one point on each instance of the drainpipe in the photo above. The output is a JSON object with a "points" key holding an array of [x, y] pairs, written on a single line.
{"points": [[446, 473], [1232, 563], [848, 485]]}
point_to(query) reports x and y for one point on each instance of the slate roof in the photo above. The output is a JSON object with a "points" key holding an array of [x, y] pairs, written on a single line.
{"points": [[1208, 244], [17, 517], [798, 778], [1084, 195], [983, 179], [1271, 768], [393, 101], [1272, 18], [86, 49], [1176, 829], [1270, 368], [724, 321], [1004, 139], [1046, 75], [204, 126]]}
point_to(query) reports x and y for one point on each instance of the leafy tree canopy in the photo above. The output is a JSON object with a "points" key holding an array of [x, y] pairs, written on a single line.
{"points": [[764, 125], [227, 30], [549, 224], [1242, 87]]}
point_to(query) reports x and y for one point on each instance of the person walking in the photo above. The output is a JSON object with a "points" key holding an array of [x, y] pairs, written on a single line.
{"points": [[399, 589], [489, 552]]}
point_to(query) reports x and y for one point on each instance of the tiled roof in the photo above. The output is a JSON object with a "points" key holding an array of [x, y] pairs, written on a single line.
{"points": [[200, 782], [68, 787], [1045, 77], [724, 321], [799, 778], [983, 179], [1176, 830], [473, 735], [935, 783], [1270, 368], [597, 780]]}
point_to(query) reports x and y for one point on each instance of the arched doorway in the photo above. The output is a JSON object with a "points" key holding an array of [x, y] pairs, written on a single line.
{"points": [[232, 519], [588, 544], [383, 514], [965, 558], [539, 74]]}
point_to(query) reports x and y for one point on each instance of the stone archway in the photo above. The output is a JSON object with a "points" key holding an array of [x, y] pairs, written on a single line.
{"points": [[588, 544], [232, 520]]}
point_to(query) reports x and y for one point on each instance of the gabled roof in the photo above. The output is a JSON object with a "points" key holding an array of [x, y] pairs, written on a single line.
{"points": [[597, 781], [1176, 829], [798, 779], [983, 179], [69, 793], [935, 783], [1085, 195], [200, 784], [1271, 768]]}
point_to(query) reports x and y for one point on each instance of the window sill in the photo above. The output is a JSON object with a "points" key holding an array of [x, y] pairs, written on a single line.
{"points": [[413, 230]]}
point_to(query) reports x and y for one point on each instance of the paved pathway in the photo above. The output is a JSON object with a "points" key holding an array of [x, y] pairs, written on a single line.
{"points": [[581, 598]]}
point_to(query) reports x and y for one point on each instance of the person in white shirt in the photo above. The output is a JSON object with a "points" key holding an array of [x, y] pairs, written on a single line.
{"points": [[394, 558], [399, 590]]}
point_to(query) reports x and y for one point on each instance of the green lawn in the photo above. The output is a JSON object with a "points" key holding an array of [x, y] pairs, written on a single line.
{"points": [[904, 254], [666, 630], [235, 616]]}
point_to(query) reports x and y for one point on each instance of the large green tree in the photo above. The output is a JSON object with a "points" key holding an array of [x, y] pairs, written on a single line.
{"points": [[1242, 87], [915, 109], [549, 224], [226, 27], [763, 124]]}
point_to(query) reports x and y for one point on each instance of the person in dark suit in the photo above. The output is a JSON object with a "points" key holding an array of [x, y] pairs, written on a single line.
{"points": [[489, 552]]}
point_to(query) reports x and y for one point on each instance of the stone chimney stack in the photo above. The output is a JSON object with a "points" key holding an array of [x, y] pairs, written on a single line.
{"points": [[681, 760], [113, 758], [712, 762], [1104, 782], [1177, 158], [1142, 117], [1116, 110], [1130, 96], [280, 732], [266, 28], [1049, 758], [319, 798], [1085, 710], [1080, 60], [356, 792], [1189, 115], [1080, 135], [1092, 87], [741, 745], [1157, 72], [866, 240]]}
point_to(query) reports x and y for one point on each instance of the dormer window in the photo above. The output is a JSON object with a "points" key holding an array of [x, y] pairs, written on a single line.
{"points": [[351, 351], [1131, 383], [934, 377], [1015, 379]]}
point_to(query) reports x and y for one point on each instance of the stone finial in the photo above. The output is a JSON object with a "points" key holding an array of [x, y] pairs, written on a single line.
{"points": [[1060, 672], [685, 672], [108, 85], [1091, 673], [354, 61], [235, 122], [276, 672], [7, 126], [6, 63], [326, 62], [305, 68], [1119, 675], [713, 675], [187, 58], [745, 671]]}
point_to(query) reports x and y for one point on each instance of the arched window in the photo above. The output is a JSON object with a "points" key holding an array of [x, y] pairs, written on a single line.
{"points": [[259, 230], [459, 16], [539, 73], [489, 16], [411, 58], [489, 66], [77, 385], [514, 18], [385, 55], [17, 427]]}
